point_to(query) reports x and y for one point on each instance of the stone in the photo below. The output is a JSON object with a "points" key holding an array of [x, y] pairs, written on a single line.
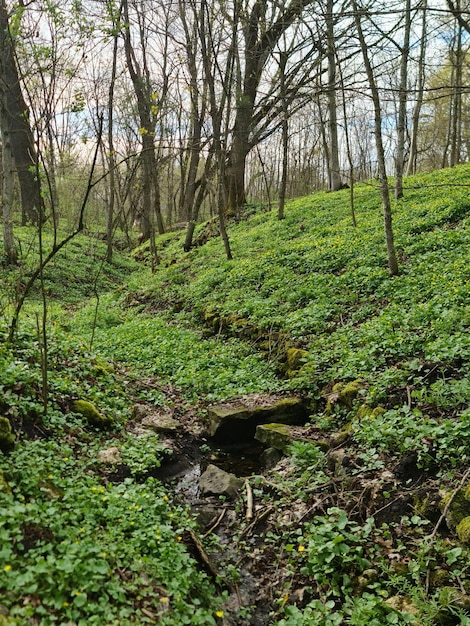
{"points": [[343, 394], [237, 420], [160, 423], [4, 486], [91, 414], [463, 530], [402, 604], [270, 458], [280, 436], [110, 456], [459, 507], [7, 438], [295, 360], [216, 482]]}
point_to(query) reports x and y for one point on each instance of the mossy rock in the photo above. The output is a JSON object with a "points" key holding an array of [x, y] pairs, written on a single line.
{"points": [[91, 414], [463, 530], [281, 436], [459, 508], [366, 411], [295, 360], [7, 438], [4, 486], [344, 394]]}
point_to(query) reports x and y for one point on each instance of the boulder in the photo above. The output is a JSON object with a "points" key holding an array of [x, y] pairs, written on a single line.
{"points": [[280, 436], [237, 420], [216, 482]]}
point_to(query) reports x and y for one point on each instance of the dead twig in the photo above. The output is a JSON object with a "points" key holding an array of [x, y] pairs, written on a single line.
{"points": [[261, 516], [216, 523], [249, 501]]}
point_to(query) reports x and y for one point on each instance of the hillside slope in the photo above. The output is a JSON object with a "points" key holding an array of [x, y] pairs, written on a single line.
{"points": [[365, 521]]}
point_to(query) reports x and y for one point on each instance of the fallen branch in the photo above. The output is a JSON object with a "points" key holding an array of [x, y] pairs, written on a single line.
{"points": [[216, 523], [249, 501]]}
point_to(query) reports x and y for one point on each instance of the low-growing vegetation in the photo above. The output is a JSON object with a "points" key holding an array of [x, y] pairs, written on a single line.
{"points": [[365, 521]]}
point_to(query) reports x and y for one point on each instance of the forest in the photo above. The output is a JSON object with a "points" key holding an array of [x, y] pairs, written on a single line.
{"points": [[234, 313]]}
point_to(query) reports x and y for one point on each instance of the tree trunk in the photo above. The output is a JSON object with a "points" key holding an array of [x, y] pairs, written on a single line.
{"points": [[412, 158], [401, 125], [384, 188], [335, 181], [285, 138], [17, 119], [11, 253], [148, 160], [456, 116]]}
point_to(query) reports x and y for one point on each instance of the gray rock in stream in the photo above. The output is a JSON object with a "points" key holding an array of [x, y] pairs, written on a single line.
{"points": [[216, 482]]}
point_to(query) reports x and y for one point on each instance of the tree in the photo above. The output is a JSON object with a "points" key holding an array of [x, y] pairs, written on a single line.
{"points": [[402, 95], [15, 121], [262, 29], [384, 187], [146, 104], [413, 149], [334, 177]]}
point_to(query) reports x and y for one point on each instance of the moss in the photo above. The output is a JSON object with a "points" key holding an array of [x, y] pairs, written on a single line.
{"points": [[4, 486], [296, 358], [459, 507], [7, 438], [463, 530], [344, 394], [367, 411], [91, 414]]}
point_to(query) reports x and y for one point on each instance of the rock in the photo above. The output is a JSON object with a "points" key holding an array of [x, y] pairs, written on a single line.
{"points": [[160, 423], [91, 414], [343, 394], [155, 419], [280, 436], [402, 604], [216, 482], [7, 438], [270, 458], [295, 360], [4, 486], [459, 507], [463, 530], [366, 411], [110, 456], [236, 421]]}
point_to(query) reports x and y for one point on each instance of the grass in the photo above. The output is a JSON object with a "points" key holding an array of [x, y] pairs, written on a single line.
{"points": [[74, 546]]}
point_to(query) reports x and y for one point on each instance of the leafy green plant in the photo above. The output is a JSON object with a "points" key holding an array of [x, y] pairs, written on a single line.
{"points": [[143, 453]]}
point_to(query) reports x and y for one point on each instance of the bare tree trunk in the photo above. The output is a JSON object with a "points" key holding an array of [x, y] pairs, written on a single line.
{"points": [[285, 137], [403, 91], [335, 181], [349, 152], [384, 188], [11, 253], [412, 159], [456, 116], [112, 157], [17, 118], [148, 161]]}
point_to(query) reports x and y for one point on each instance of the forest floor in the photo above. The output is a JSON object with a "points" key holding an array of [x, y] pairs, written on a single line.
{"points": [[365, 520]]}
